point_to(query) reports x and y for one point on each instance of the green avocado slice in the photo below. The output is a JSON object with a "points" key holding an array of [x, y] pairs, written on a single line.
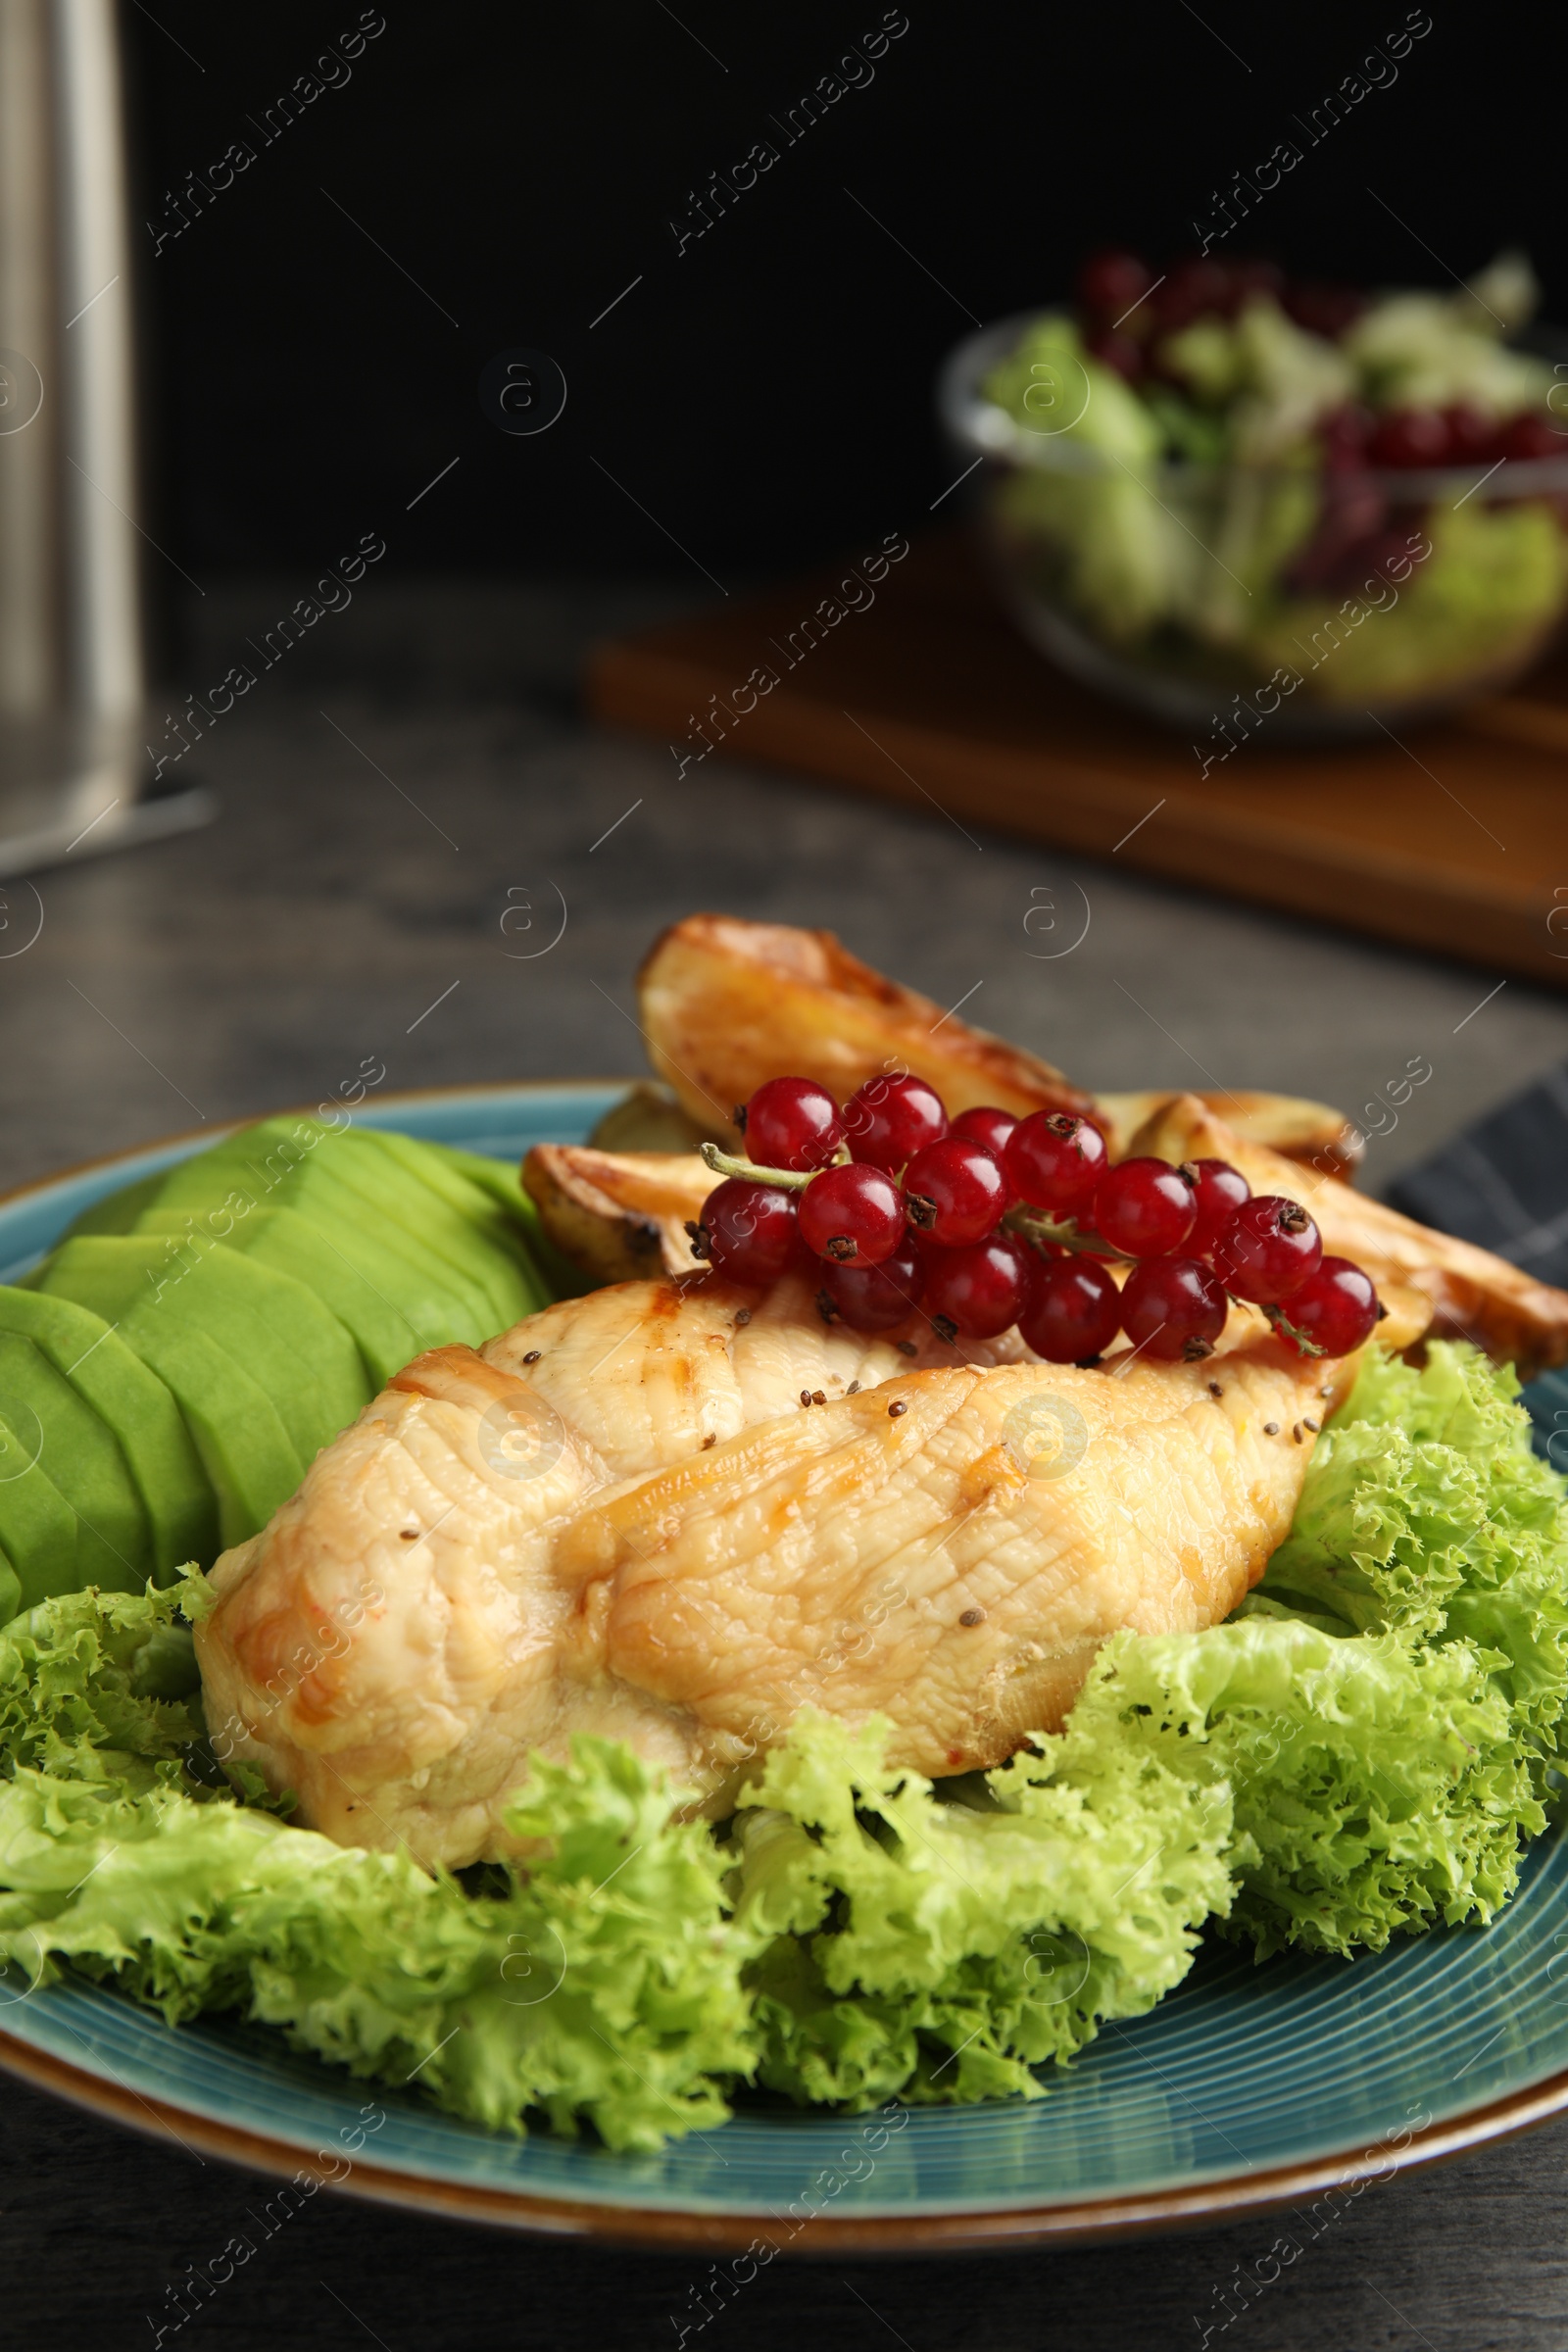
{"points": [[294, 1347], [37, 1526], [338, 1272], [368, 1163], [10, 1591], [133, 1402], [243, 1444], [482, 1206], [83, 1461], [116, 1213], [264, 1166]]}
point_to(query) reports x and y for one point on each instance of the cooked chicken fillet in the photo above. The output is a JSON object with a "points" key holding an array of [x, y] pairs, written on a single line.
{"points": [[621, 1517]]}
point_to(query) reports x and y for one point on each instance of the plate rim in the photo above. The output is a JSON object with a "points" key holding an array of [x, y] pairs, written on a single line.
{"points": [[674, 2227]]}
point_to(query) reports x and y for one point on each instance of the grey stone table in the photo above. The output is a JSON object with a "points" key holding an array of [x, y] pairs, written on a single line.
{"points": [[414, 772]]}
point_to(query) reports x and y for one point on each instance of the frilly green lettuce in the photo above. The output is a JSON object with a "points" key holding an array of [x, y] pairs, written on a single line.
{"points": [[941, 1950]]}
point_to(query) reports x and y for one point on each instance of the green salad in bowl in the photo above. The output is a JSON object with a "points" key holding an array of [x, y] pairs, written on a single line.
{"points": [[1237, 501]]}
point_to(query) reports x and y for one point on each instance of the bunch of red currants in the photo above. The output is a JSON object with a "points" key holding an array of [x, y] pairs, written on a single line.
{"points": [[990, 1221]]}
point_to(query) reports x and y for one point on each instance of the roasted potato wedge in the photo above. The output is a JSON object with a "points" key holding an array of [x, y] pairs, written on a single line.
{"points": [[619, 1217], [727, 1003], [648, 1118], [1313, 1133], [1472, 1294]]}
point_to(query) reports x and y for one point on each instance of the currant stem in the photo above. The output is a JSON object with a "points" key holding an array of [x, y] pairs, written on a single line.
{"points": [[1280, 1321], [725, 1163], [1036, 1225]]}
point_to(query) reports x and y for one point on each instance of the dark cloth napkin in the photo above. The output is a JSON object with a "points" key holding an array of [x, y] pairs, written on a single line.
{"points": [[1504, 1181]]}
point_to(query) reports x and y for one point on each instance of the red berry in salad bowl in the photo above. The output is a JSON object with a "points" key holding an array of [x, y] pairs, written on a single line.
{"points": [[1220, 1191], [1335, 1309], [875, 1297], [748, 1231], [1055, 1161], [1174, 1309], [1409, 438], [1145, 1207], [1268, 1249], [1074, 1311], [954, 1191], [981, 1289], [1528, 437], [1323, 309], [987, 1125], [792, 1123], [1470, 434], [1110, 282], [1193, 289], [887, 1120], [853, 1216]]}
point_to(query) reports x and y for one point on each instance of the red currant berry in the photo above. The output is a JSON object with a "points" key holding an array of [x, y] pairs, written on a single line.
{"points": [[985, 1125], [875, 1297], [887, 1120], [1172, 1308], [1055, 1161], [981, 1289], [1269, 1248], [748, 1231], [1145, 1207], [1524, 439], [1110, 282], [1337, 1307], [955, 1192], [1221, 1190], [853, 1215], [792, 1123], [1409, 438], [1470, 434], [1075, 1312]]}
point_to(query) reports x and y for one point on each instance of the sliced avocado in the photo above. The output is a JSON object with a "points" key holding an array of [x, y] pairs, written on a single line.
{"points": [[452, 1217], [37, 1526], [243, 1444], [132, 1401], [116, 1213], [556, 1277], [286, 1243], [294, 1347], [267, 1166], [494, 1210], [83, 1461], [10, 1591]]}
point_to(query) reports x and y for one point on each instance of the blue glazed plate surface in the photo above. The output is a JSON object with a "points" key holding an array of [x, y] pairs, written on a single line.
{"points": [[1248, 2086]]}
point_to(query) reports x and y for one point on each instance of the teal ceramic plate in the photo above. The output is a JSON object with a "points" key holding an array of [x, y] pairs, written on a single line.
{"points": [[1249, 2087]]}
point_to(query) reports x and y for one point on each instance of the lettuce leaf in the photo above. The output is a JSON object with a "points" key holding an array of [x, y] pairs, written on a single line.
{"points": [[1377, 1787], [603, 1985], [1425, 1511], [940, 1949]]}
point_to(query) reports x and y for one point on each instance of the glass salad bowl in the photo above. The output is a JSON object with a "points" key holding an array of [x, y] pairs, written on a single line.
{"points": [[1217, 543]]}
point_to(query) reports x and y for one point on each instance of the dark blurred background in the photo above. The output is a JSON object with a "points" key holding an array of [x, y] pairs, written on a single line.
{"points": [[765, 391]]}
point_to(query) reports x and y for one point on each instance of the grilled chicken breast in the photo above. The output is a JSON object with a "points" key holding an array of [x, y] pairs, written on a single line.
{"points": [[676, 1514]]}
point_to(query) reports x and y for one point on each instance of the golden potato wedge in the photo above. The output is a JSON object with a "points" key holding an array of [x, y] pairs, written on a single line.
{"points": [[727, 1003], [648, 1118], [1472, 1294], [620, 1216], [1313, 1133]]}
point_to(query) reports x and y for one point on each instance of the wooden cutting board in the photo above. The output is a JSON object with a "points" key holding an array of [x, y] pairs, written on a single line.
{"points": [[1453, 839]]}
